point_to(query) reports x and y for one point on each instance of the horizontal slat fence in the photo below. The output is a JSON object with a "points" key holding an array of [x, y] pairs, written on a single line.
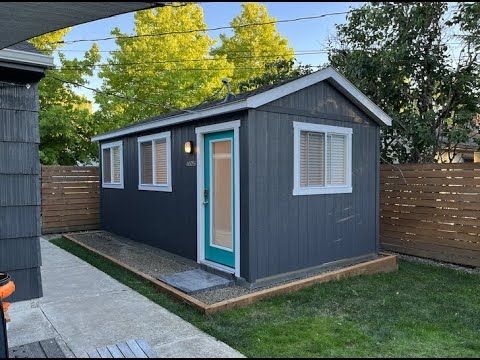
{"points": [[70, 198], [431, 211]]}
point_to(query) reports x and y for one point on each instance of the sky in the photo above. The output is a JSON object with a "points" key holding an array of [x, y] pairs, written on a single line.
{"points": [[302, 35]]}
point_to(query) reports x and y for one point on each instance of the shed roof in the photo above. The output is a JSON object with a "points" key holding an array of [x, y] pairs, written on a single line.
{"points": [[254, 99]]}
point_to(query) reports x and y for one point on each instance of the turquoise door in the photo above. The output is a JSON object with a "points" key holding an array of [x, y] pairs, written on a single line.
{"points": [[219, 198]]}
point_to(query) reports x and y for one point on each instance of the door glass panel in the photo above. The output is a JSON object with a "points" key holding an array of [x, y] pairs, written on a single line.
{"points": [[222, 194]]}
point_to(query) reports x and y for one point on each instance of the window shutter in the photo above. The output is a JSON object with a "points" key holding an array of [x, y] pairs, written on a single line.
{"points": [[336, 159], [146, 163], [116, 164], [161, 161], [106, 164], [312, 159]]}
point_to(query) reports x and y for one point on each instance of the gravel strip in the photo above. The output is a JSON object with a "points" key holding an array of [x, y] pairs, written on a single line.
{"points": [[156, 262], [147, 259], [424, 261]]}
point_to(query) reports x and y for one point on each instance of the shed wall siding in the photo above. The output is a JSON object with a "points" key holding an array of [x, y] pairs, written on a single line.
{"points": [[287, 232], [167, 220], [20, 189]]}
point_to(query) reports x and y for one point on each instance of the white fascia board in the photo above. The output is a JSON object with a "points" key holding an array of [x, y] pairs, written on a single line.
{"points": [[348, 89], [25, 57], [199, 114]]}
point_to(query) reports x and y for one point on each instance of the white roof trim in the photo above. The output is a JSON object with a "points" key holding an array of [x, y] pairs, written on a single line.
{"points": [[255, 101], [25, 57]]}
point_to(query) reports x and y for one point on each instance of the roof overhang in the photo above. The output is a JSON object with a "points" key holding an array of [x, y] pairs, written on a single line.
{"points": [[255, 101], [25, 58], [20, 21]]}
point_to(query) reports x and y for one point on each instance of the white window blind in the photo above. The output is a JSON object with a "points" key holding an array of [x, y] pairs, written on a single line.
{"points": [[322, 159], [312, 159], [146, 163], [161, 162], [336, 159], [154, 160], [107, 166], [116, 164], [112, 165]]}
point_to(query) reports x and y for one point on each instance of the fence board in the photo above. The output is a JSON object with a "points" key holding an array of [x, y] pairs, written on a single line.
{"points": [[70, 198], [431, 210]]}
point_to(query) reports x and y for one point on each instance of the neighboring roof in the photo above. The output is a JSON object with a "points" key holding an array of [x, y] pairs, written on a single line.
{"points": [[20, 21], [254, 99], [26, 54]]}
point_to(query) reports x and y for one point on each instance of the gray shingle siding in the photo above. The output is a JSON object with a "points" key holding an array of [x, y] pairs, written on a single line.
{"points": [[20, 189]]}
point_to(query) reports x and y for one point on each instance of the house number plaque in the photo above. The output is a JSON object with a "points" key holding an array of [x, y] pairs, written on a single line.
{"points": [[191, 163]]}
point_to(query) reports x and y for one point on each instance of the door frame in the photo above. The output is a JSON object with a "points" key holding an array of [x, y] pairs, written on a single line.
{"points": [[200, 132]]}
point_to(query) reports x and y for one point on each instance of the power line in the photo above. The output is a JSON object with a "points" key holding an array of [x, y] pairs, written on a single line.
{"points": [[120, 96], [176, 32], [194, 60], [123, 97]]}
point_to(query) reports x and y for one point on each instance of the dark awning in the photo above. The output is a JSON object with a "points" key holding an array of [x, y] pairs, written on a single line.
{"points": [[20, 21]]}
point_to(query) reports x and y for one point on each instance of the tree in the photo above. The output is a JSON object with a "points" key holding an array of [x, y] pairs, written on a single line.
{"points": [[66, 124], [160, 73], [400, 55], [251, 48], [275, 72]]}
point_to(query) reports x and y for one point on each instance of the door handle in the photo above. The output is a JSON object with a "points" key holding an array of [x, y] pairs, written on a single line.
{"points": [[205, 197]]}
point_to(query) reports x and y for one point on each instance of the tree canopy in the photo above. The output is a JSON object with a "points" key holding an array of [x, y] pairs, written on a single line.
{"points": [[160, 73], [253, 49], [400, 55], [66, 123]]}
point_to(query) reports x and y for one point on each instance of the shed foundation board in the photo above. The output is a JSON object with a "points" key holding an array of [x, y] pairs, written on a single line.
{"points": [[195, 281], [240, 296]]}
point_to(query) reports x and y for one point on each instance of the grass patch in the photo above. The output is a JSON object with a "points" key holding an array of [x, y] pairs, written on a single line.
{"points": [[421, 310]]}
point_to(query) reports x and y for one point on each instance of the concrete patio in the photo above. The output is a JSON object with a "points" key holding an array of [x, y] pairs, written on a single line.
{"points": [[84, 308]]}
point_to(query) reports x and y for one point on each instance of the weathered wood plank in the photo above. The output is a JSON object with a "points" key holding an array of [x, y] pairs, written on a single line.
{"points": [[146, 348], [125, 350], [137, 350], [115, 351], [432, 210], [70, 198], [104, 353]]}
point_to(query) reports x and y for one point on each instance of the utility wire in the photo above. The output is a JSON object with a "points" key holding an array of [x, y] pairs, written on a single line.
{"points": [[130, 99], [191, 60], [204, 29], [74, 83]]}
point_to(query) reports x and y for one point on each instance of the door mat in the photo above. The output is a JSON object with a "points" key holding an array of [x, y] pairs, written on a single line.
{"points": [[194, 281]]}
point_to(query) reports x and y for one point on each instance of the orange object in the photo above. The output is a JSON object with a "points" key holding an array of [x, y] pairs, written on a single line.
{"points": [[7, 290]]}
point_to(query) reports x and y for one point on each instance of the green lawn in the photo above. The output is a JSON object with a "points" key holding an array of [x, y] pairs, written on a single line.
{"points": [[420, 310]]}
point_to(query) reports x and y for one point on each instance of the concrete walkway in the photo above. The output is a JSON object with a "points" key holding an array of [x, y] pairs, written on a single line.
{"points": [[82, 314]]}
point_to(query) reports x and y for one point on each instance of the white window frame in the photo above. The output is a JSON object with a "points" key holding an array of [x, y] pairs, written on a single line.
{"points": [[155, 187], [327, 130], [111, 184]]}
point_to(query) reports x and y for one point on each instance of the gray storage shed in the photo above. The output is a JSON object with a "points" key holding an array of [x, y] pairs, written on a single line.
{"points": [[262, 185], [21, 67]]}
